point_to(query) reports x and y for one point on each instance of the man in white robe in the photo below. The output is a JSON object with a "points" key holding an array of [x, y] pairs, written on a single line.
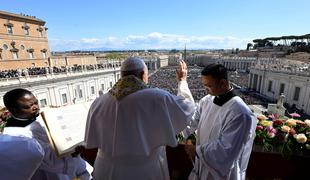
{"points": [[25, 109], [20, 155], [225, 130], [132, 123]]}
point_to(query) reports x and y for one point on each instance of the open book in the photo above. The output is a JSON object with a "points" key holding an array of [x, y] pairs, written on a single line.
{"points": [[65, 126]]}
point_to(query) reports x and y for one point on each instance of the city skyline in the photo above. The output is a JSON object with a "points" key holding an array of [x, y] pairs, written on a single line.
{"points": [[160, 24]]}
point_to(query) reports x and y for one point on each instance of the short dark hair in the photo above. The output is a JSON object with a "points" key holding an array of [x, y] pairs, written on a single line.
{"points": [[10, 98], [217, 71]]}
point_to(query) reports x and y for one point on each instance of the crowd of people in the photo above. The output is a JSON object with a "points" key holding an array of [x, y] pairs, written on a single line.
{"points": [[130, 140], [165, 78], [37, 71]]}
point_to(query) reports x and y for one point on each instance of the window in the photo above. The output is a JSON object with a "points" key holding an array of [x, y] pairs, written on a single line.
{"points": [[79, 91], [15, 55], [269, 86], [111, 84], [43, 102], [92, 90], [41, 33], [10, 29], [26, 31], [102, 86], [64, 98], [44, 55], [22, 47], [282, 86], [40, 29], [30, 52], [296, 93], [5, 47], [31, 56]]}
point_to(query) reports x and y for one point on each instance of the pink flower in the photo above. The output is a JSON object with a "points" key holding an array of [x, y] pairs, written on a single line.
{"points": [[271, 135], [6, 114], [292, 131], [270, 129], [272, 116], [259, 127]]}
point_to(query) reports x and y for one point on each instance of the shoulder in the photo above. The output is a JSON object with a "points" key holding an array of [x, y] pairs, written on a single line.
{"points": [[154, 93], [206, 99], [238, 106]]}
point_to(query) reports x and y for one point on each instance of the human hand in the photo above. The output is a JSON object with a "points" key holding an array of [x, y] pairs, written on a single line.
{"points": [[181, 71], [77, 151], [190, 151]]}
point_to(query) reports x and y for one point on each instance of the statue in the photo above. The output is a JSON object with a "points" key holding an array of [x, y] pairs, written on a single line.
{"points": [[280, 108], [280, 101]]}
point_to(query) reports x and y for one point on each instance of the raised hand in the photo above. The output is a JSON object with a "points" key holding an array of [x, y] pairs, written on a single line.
{"points": [[181, 71]]}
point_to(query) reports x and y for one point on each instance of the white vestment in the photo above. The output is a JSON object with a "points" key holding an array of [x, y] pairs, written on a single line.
{"points": [[52, 167], [225, 136], [131, 133], [20, 155]]}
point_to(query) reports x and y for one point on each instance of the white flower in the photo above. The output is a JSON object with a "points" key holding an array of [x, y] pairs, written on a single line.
{"points": [[307, 122], [301, 138]]}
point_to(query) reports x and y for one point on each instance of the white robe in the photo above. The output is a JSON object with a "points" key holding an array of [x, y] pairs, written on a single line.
{"points": [[225, 136], [20, 154], [132, 133], [52, 167]]}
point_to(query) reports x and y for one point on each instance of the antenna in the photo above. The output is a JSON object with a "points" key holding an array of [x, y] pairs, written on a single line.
{"points": [[184, 53]]}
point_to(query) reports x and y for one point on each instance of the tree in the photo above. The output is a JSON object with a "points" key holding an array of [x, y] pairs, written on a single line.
{"points": [[249, 46]]}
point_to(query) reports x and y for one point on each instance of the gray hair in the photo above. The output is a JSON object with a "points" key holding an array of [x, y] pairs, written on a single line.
{"points": [[133, 66]]}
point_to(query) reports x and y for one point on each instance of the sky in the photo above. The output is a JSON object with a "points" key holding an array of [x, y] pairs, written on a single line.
{"points": [[163, 24]]}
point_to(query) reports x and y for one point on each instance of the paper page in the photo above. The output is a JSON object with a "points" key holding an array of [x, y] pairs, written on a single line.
{"points": [[66, 126]]}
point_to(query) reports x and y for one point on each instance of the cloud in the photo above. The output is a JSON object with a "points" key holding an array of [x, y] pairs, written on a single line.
{"points": [[154, 40]]}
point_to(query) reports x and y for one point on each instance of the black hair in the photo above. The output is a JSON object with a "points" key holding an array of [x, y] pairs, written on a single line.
{"points": [[217, 71], [10, 98]]}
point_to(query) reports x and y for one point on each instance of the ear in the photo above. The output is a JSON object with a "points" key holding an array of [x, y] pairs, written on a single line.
{"points": [[13, 111], [224, 83]]}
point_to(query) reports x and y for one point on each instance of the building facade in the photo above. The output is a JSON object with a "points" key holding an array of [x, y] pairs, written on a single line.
{"points": [[272, 78], [56, 90], [23, 41]]}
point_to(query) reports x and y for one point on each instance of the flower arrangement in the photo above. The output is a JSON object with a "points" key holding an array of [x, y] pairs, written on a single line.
{"points": [[286, 136], [5, 115]]}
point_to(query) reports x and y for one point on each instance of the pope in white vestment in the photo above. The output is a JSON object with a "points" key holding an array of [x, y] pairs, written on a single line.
{"points": [[131, 125]]}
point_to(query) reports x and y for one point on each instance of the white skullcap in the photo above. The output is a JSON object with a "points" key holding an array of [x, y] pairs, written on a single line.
{"points": [[133, 63]]}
